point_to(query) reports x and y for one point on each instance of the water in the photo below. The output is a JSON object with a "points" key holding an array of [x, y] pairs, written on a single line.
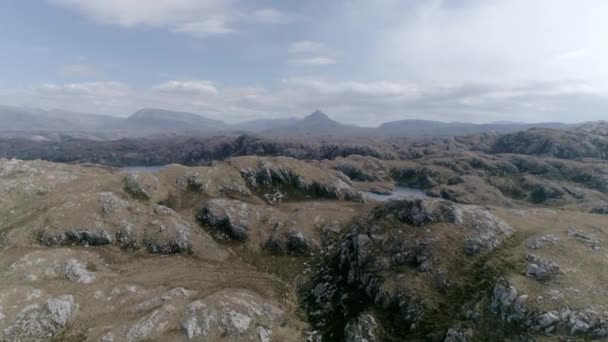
{"points": [[400, 192], [135, 169]]}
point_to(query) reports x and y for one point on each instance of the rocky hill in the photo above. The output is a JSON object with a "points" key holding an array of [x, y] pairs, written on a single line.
{"points": [[586, 141]]}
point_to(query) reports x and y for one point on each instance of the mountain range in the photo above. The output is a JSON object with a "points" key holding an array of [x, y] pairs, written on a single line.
{"points": [[152, 121]]}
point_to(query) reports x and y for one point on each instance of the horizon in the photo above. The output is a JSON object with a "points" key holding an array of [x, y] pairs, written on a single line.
{"points": [[440, 60], [301, 117]]}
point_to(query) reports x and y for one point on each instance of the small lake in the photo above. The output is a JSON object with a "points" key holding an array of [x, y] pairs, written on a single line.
{"points": [[136, 169], [400, 192]]}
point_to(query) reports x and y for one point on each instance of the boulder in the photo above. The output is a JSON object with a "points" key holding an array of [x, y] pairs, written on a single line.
{"points": [[41, 322], [227, 217]]}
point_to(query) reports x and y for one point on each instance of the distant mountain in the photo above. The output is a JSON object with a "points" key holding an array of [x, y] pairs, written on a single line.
{"points": [[151, 121], [165, 120], [28, 119], [318, 124]]}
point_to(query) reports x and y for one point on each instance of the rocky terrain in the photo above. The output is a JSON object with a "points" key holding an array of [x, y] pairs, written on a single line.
{"points": [[262, 239]]}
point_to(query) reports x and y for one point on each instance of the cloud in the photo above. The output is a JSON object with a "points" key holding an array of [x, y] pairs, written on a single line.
{"points": [[350, 89], [86, 88], [487, 41], [78, 70], [311, 54], [572, 56], [188, 87], [205, 28], [200, 18], [314, 61], [306, 47], [268, 15]]}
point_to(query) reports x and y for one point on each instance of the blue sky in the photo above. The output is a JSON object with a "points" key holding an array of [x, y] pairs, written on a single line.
{"points": [[362, 62]]}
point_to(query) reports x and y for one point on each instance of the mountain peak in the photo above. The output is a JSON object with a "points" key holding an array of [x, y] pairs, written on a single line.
{"points": [[317, 115]]}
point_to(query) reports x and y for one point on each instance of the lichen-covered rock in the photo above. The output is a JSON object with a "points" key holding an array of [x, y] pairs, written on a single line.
{"points": [[600, 210], [507, 303], [77, 271], [153, 323], [548, 240], [76, 237], [290, 175], [168, 233], [457, 335], [541, 269], [363, 328], [134, 188], [231, 315], [297, 244], [41, 322], [229, 217]]}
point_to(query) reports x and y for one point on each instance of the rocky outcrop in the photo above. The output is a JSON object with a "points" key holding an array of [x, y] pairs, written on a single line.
{"points": [[540, 268], [400, 239], [363, 328], [106, 219], [134, 188], [233, 316], [296, 179], [41, 322], [600, 210], [362, 169], [227, 217]]}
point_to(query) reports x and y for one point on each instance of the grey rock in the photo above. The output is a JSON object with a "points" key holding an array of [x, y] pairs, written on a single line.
{"points": [[541, 269], [83, 237], [364, 328], [133, 188], [40, 323], [584, 238], [457, 335], [297, 244], [600, 210], [507, 303], [230, 315], [75, 270], [111, 203], [195, 183], [547, 240], [153, 323], [167, 233], [228, 217]]}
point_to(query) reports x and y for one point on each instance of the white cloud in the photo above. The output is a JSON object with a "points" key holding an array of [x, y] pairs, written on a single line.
{"points": [[313, 61], [200, 18], [78, 70], [87, 88], [572, 56], [490, 41], [347, 89], [188, 87], [205, 28], [306, 47], [268, 15]]}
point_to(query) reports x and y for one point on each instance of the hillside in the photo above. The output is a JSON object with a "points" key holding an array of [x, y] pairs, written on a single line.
{"points": [[273, 248], [586, 141]]}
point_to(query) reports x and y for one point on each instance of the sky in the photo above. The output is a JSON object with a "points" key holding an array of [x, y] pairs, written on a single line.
{"points": [[362, 62]]}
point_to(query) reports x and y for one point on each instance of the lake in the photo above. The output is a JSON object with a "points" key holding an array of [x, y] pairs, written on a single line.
{"points": [[135, 169], [400, 192]]}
